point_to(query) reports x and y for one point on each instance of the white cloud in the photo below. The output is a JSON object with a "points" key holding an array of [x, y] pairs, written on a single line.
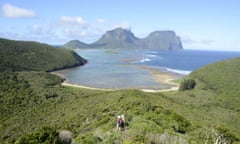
{"points": [[50, 38], [188, 40], [124, 25], [75, 33], [11, 11], [101, 21], [72, 20], [198, 43], [207, 42], [36, 29]]}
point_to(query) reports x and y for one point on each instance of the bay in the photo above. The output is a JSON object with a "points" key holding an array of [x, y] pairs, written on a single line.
{"points": [[121, 68]]}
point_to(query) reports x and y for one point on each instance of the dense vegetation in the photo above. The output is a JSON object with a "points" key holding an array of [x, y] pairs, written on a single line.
{"points": [[20, 56], [36, 108], [187, 84], [222, 78], [32, 101]]}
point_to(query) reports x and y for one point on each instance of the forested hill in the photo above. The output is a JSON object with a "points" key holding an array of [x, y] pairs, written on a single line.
{"points": [[34, 56]]}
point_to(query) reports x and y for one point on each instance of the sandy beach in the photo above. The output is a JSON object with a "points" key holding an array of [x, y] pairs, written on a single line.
{"points": [[157, 75], [66, 83], [85, 87], [163, 78]]}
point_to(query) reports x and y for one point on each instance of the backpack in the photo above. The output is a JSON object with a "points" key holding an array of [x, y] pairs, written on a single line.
{"points": [[121, 123]]}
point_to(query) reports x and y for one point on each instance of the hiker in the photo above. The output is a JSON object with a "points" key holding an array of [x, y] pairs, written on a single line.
{"points": [[118, 123], [122, 122]]}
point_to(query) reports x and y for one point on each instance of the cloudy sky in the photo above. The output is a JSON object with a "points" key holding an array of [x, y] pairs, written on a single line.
{"points": [[202, 24]]}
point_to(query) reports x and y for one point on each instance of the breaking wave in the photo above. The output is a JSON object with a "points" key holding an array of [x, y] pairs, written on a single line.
{"points": [[145, 60], [184, 72]]}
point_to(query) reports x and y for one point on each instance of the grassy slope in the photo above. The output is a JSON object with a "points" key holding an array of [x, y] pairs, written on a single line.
{"points": [[215, 100], [32, 100], [222, 79], [20, 55]]}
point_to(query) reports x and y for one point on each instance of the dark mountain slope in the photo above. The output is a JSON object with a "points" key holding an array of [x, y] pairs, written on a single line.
{"points": [[22, 55]]}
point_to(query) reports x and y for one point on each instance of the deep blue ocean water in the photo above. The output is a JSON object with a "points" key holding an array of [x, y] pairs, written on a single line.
{"points": [[184, 61], [116, 69]]}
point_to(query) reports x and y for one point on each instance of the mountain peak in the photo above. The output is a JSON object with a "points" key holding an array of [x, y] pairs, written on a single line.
{"points": [[120, 34], [73, 44], [119, 29], [124, 38], [167, 40], [158, 33]]}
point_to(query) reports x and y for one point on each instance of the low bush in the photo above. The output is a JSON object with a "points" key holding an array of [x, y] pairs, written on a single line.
{"points": [[187, 84], [44, 135]]}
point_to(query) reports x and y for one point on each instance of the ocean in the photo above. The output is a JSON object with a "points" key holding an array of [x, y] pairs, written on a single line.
{"points": [[119, 69]]}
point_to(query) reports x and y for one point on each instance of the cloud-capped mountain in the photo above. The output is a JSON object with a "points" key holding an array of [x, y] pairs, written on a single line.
{"points": [[122, 38]]}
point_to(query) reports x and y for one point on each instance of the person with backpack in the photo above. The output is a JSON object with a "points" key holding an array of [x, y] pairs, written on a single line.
{"points": [[118, 123], [122, 122]]}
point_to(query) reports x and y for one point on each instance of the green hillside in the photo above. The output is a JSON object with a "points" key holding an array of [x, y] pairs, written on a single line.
{"points": [[33, 100], [223, 79], [21, 55], [35, 107]]}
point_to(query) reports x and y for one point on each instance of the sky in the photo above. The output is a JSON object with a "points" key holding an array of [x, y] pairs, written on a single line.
{"points": [[201, 24]]}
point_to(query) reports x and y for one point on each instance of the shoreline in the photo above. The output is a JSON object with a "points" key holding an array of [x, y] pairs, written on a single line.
{"points": [[157, 75], [85, 87], [66, 83], [162, 77]]}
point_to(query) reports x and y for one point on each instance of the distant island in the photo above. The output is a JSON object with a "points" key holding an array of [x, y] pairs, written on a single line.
{"points": [[122, 38]]}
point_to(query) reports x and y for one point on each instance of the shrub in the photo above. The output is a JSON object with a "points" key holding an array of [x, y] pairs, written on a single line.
{"points": [[44, 135], [170, 139], [220, 135], [90, 139], [187, 84]]}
